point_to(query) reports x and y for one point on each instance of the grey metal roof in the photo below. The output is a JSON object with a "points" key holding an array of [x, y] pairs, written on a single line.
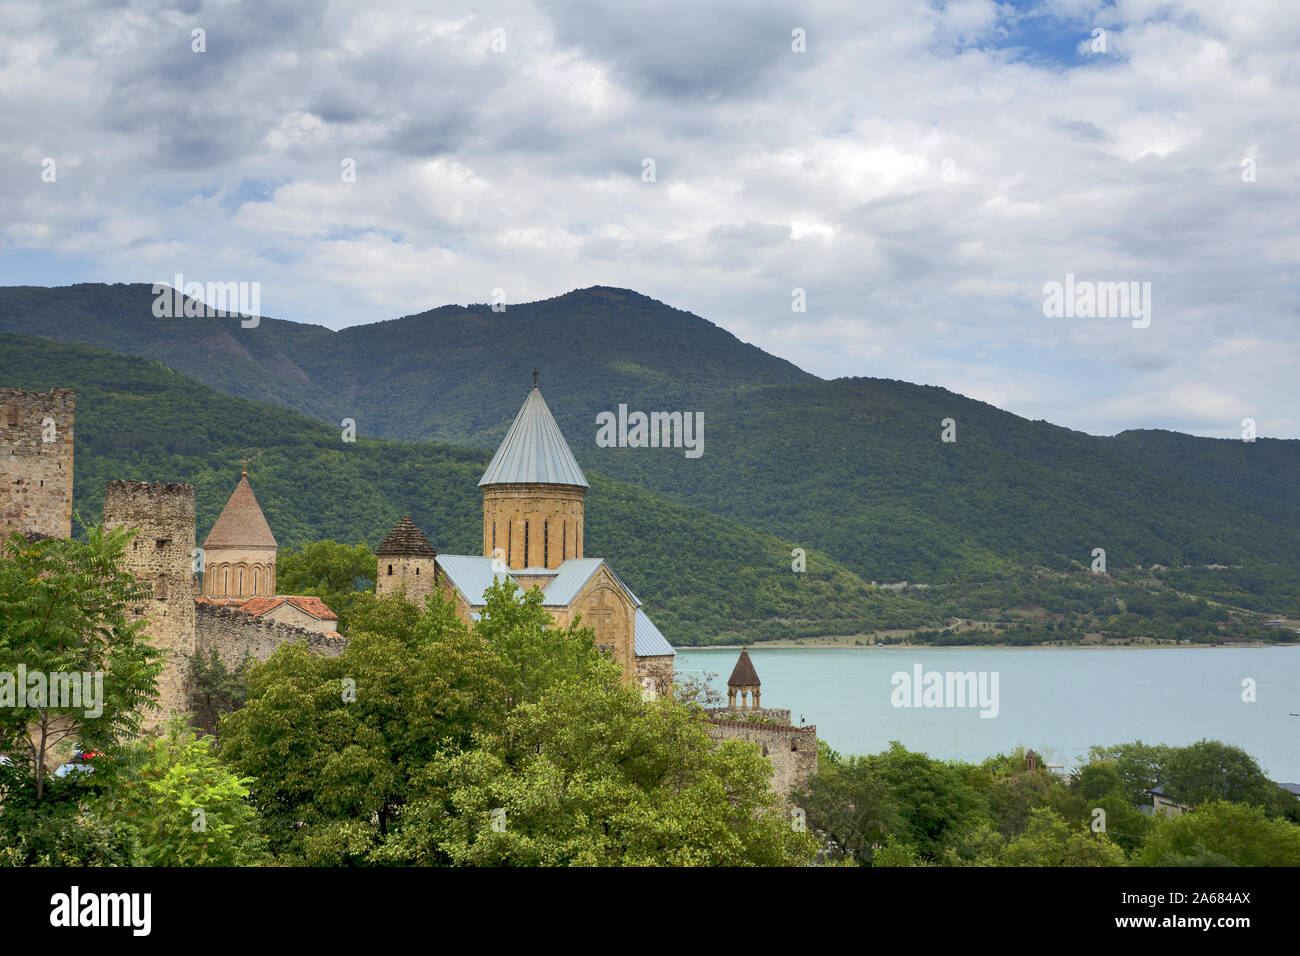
{"points": [[470, 575], [534, 450], [646, 639], [569, 580]]}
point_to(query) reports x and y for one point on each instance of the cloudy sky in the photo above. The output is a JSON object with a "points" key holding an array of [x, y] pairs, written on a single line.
{"points": [[921, 170]]}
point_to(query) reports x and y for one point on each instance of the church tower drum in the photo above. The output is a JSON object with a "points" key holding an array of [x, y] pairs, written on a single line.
{"points": [[239, 552], [406, 561], [533, 493]]}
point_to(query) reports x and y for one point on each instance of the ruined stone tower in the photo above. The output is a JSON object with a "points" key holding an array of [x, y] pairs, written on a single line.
{"points": [[36, 462], [239, 552], [407, 561], [161, 555], [533, 493]]}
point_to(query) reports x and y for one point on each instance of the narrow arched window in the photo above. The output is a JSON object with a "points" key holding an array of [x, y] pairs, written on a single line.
{"points": [[564, 541], [390, 570], [526, 564], [546, 544]]}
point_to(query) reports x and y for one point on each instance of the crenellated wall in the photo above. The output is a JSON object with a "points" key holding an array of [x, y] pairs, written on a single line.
{"points": [[791, 750], [236, 636]]}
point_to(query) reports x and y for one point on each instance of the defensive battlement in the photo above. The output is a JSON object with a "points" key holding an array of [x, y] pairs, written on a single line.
{"points": [[236, 635], [154, 490], [792, 751], [775, 728]]}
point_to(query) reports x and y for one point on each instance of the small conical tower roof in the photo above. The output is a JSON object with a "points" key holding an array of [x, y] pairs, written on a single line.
{"points": [[241, 523], [534, 450], [405, 539], [743, 674]]}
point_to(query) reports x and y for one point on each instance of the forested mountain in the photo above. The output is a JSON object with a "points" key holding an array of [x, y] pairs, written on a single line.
{"points": [[853, 467], [703, 578]]}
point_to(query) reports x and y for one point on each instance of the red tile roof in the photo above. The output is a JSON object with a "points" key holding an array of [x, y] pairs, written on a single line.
{"points": [[258, 606]]}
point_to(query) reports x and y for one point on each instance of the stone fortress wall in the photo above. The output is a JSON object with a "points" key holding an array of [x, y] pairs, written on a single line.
{"points": [[36, 462], [237, 636], [161, 556]]}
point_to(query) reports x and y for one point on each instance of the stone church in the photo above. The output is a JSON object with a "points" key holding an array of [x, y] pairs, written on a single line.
{"points": [[533, 498]]}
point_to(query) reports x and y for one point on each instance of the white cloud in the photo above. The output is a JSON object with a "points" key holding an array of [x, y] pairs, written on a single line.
{"points": [[826, 170]]}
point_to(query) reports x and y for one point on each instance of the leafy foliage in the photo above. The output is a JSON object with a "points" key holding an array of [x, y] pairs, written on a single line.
{"points": [[66, 608]]}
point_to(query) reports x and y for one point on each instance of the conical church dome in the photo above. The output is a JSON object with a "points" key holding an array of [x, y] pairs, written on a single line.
{"points": [[534, 450], [241, 524]]}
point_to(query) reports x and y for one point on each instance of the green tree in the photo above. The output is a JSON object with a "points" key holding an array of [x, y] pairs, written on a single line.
{"points": [[334, 743], [215, 689], [850, 806], [931, 796], [1211, 770], [1217, 831], [1050, 841], [65, 608], [187, 808], [72, 823], [592, 775], [336, 573]]}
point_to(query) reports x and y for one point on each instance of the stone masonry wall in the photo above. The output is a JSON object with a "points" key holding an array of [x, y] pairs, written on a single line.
{"points": [[162, 556], [416, 574], [236, 636], [658, 671], [792, 750], [554, 514], [755, 715], [36, 485]]}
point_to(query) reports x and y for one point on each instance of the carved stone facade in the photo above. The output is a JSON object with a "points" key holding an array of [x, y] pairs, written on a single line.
{"points": [[604, 605], [36, 462]]}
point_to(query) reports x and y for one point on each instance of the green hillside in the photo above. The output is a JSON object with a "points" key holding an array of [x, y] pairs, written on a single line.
{"points": [[703, 578], [852, 467]]}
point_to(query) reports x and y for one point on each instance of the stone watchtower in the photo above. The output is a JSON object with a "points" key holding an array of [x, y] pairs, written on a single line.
{"points": [[406, 561], [239, 552], [533, 493], [743, 682], [36, 462], [162, 556]]}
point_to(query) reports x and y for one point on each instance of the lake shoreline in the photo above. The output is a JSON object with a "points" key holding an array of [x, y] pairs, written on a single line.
{"points": [[813, 644]]}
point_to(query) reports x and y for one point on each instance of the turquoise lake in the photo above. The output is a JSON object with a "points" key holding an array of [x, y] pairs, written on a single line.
{"points": [[1056, 701]]}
